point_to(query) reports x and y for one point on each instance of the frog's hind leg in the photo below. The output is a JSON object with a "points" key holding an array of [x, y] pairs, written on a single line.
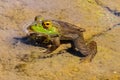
{"points": [[88, 50], [92, 46]]}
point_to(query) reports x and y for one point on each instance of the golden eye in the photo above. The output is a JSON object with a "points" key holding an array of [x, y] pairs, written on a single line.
{"points": [[47, 24]]}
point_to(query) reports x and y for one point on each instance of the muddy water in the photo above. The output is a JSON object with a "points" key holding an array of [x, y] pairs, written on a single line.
{"points": [[19, 61]]}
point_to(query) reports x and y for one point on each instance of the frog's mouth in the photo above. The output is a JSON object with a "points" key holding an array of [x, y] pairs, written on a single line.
{"points": [[28, 30]]}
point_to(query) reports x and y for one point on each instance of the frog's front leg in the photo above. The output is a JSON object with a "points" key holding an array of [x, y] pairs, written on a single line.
{"points": [[55, 44]]}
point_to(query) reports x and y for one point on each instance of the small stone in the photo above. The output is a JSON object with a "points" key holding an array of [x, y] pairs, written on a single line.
{"points": [[114, 72]]}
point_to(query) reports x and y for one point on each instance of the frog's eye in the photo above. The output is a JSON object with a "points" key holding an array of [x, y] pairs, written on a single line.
{"points": [[47, 24]]}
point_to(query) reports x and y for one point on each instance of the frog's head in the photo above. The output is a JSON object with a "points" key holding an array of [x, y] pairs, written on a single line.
{"points": [[42, 26]]}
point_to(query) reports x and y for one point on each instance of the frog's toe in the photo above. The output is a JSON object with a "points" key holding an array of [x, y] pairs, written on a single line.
{"points": [[86, 59], [93, 48], [47, 52]]}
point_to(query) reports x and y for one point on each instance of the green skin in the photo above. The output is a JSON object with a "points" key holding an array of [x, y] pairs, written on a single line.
{"points": [[60, 30], [49, 33], [39, 29]]}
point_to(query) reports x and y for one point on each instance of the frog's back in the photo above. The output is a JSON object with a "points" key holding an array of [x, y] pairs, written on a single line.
{"points": [[67, 27]]}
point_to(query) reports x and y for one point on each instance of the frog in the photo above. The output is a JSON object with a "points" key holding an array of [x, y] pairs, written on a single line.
{"points": [[56, 30]]}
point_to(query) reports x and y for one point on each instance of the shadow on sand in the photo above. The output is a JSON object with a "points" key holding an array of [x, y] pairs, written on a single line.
{"points": [[39, 42]]}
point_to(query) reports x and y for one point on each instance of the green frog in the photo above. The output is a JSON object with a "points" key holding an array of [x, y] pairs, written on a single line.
{"points": [[55, 31]]}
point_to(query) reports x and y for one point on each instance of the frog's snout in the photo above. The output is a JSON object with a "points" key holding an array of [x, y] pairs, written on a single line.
{"points": [[28, 30]]}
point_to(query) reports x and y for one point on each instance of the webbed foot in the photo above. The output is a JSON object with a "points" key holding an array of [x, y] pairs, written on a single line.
{"points": [[92, 46]]}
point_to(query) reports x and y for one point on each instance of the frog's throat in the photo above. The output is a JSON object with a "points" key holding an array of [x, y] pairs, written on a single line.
{"points": [[40, 29]]}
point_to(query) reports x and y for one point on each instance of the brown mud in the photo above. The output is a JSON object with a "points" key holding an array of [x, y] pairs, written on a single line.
{"points": [[20, 61]]}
